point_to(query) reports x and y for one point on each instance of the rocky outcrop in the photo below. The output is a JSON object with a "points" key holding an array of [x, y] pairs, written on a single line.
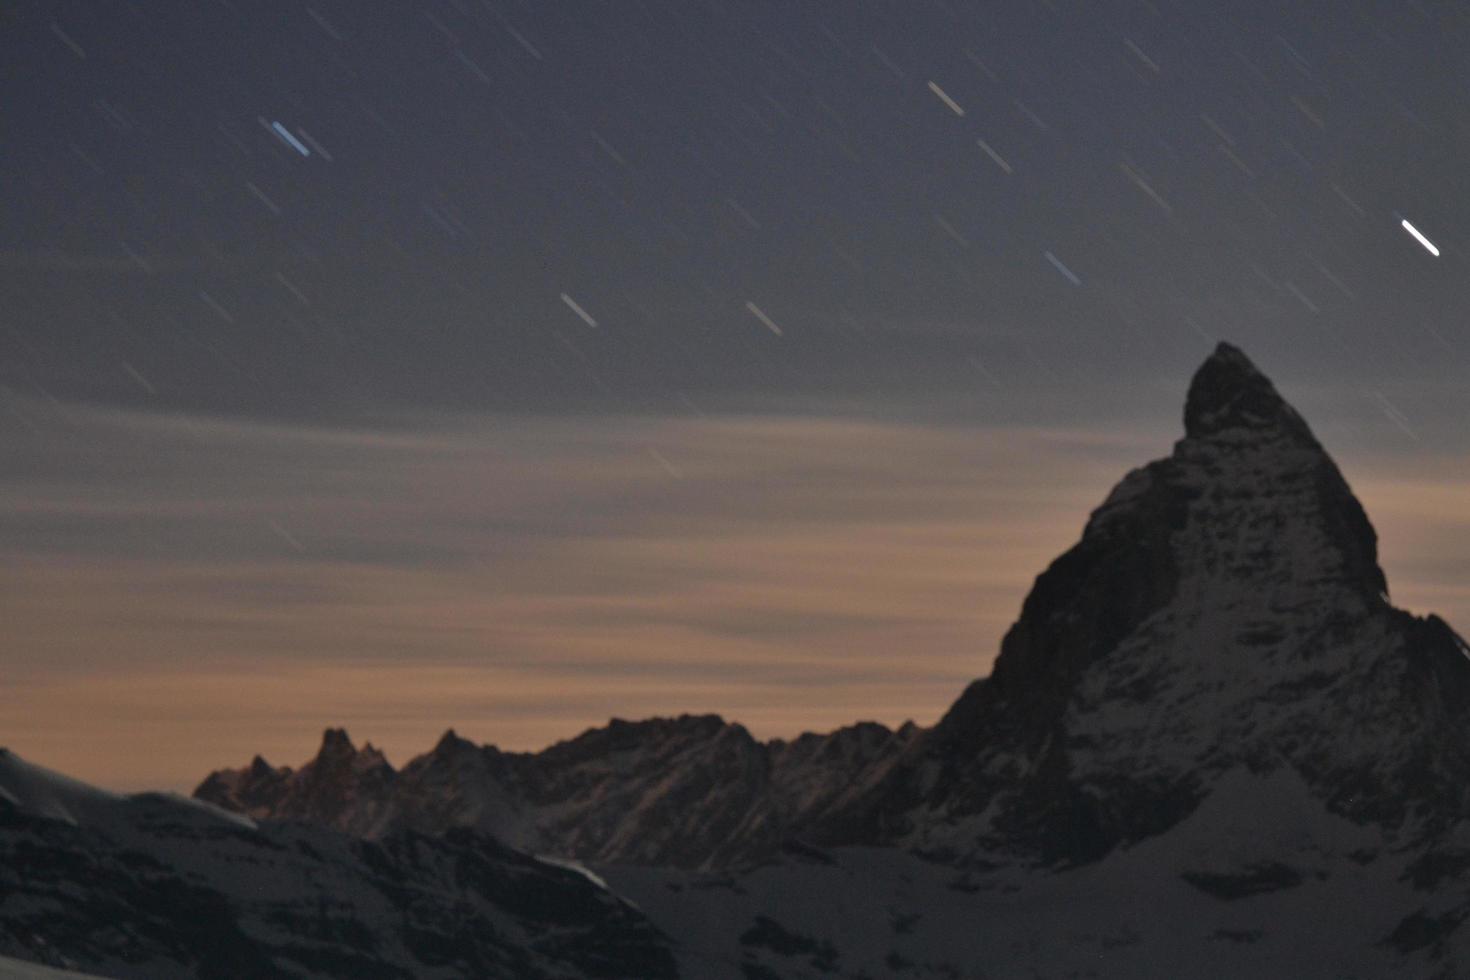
{"points": [[342, 787]]}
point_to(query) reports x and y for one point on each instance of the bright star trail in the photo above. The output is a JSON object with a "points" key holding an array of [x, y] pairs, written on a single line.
{"points": [[945, 98], [1419, 237], [290, 139], [990, 152], [1066, 272], [760, 315], [576, 308]]}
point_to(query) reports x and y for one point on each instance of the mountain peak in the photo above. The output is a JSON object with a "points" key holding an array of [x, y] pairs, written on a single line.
{"points": [[336, 746], [1229, 392], [370, 756], [450, 743], [1214, 600]]}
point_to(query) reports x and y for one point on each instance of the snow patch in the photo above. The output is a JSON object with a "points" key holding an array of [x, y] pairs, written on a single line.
{"points": [[45, 793], [570, 865], [12, 969], [200, 806]]}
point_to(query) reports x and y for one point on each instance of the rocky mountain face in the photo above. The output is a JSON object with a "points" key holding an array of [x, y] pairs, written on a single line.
{"points": [[1223, 611], [342, 787], [688, 792], [156, 886]]}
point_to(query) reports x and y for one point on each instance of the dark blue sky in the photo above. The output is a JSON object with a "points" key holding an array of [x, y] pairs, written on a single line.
{"points": [[1202, 170]]}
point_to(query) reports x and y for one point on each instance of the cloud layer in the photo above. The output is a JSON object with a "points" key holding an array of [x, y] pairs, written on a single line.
{"points": [[180, 592]]}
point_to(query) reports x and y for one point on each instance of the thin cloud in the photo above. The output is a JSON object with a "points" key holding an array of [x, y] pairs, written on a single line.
{"points": [[524, 578]]}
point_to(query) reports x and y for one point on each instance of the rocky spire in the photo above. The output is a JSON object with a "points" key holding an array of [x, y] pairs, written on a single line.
{"points": [[336, 745], [1248, 502], [1212, 593], [1271, 451], [1228, 392], [452, 746]]}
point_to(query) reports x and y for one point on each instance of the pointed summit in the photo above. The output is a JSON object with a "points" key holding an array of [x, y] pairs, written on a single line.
{"points": [[1228, 392], [336, 745], [370, 757], [1223, 608], [451, 744]]}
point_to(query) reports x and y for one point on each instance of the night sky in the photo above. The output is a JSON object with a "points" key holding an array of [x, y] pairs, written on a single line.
{"points": [[515, 365]]}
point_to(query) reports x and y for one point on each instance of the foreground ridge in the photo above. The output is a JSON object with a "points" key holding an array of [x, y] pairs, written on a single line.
{"points": [[158, 886]]}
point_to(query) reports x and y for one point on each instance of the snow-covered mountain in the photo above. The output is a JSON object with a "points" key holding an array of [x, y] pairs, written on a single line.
{"points": [[693, 791], [1210, 746], [1224, 613], [158, 886]]}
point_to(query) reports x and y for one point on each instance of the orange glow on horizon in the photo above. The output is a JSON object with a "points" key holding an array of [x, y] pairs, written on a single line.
{"points": [[789, 574]]}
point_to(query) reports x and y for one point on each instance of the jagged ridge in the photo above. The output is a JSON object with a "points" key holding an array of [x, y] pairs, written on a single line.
{"points": [[693, 791]]}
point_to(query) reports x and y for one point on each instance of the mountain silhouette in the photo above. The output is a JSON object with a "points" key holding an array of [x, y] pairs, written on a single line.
{"points": [[1224, 608], [1209, 745]]}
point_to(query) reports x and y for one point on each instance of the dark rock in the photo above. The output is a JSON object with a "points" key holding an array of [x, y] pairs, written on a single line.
{"points": [[1241, 884]]}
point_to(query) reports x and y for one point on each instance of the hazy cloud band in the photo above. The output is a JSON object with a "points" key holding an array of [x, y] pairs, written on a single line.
{"points": [[179, 593]]}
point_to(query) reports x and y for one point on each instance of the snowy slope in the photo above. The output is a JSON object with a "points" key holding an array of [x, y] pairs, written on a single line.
{"points": [[153, 886], [1259, 881], [12, 969]]}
